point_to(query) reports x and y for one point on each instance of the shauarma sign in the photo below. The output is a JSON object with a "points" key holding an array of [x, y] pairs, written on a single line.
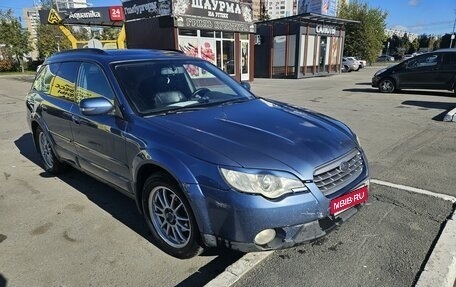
{"points": [[222, 15]]}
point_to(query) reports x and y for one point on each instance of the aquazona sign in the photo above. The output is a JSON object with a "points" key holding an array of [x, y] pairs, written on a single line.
{"points": [[320, 29]]}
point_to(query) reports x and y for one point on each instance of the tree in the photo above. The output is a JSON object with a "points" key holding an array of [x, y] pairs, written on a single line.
{"points": [[14, 37], [110, 33], [364, 39], [414, 46], [50, 40]]}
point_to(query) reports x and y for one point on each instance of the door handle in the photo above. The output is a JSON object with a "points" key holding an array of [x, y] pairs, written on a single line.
{"points": [[75, 119]]}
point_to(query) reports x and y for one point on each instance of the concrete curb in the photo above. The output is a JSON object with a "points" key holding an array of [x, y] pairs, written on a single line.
{"points": [[235, 271], [449, 117], [440, 270]]}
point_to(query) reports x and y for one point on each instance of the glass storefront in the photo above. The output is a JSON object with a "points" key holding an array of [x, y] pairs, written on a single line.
{"points": [[214, 46]]}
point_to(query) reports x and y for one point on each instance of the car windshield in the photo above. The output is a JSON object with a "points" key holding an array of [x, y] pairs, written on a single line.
{"points": [[168, 86]]}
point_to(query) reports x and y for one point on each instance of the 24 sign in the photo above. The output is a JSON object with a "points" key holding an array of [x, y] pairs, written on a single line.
{"points": [[116, 13]]}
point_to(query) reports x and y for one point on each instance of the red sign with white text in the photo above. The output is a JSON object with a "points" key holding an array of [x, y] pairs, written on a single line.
{"points": [[116, 13], [348, 200]]}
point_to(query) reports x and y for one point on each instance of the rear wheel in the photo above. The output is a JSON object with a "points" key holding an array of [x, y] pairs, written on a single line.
{"points": [[170, 218], [386, 86], [50, 162]]}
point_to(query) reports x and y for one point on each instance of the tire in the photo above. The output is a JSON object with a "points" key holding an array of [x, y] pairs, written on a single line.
{"points": [[386, 85], [44, 146], [170, 218]]}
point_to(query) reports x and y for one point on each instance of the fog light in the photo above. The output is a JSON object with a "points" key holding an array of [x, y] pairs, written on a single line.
{"points": [[265, 236]]}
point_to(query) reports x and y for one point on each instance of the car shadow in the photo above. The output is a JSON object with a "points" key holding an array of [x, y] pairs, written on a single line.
{"points": [[364, 84], [124, 209], [403, 92], [3, 281], [432, 105], [360, 90], [427, 93]]}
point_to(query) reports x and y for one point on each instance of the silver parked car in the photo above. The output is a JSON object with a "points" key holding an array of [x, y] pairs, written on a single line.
{"points": [[350, 64]]}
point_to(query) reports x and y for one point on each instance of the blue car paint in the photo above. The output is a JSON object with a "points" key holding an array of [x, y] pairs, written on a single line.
{"points": [[257, 134]]}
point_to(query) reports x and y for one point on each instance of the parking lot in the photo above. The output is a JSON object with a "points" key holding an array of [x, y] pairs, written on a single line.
{"points": [[73, 231]]}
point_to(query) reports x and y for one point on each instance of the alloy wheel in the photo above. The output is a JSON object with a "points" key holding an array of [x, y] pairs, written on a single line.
{"points": [[386, 86], [169, 217], [46, 150]]}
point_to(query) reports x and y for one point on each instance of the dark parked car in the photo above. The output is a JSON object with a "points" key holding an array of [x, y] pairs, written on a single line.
{"points": [[385, 58], [435, 70], [208, 163]]}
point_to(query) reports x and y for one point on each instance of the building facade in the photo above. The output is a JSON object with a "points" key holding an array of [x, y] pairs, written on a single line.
{"points": [[70, 4], [32, 22], [220, 32], [304, 45], [280, 8]]}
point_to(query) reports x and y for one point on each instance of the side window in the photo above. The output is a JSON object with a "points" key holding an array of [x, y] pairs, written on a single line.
{"points": [[449, 59], [64, 82], [44, 79], [424, 61], [92, 82]]}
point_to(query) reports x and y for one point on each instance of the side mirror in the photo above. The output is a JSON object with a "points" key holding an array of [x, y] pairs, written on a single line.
{"points": [[95, 106], [246, 85]]}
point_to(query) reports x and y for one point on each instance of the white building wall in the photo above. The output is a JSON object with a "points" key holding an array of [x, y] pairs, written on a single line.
{"points": [[279, 8]]}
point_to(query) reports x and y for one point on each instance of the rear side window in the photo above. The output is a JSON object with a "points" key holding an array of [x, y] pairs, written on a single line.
{"points": [[44, 79], [449, 59], [92, 82], [63, 85]]}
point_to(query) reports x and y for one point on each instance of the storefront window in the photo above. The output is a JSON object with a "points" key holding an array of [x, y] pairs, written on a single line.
{"points": [[188, 32], [278, 61], [291, 55], [209, 34], [227, 35], [228, 57], [210, 46]]}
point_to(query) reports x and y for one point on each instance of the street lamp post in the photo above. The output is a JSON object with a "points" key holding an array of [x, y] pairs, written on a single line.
{"points": [[452, 34]]}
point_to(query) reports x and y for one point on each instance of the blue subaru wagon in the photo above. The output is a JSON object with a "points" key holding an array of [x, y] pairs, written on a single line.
{"points": [[208, 163]]}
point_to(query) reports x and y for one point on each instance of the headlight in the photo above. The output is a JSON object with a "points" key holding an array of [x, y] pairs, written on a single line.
{"points": [[380, 71], [268, 185]]}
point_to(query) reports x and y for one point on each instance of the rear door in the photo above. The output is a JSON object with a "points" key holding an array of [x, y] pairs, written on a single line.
{"points": [[56, 86], [448, 70], [99, 139], [422, 72]]}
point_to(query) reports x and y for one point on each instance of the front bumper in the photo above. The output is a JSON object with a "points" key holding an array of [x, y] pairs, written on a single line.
{"points": [[288, 236], [232, 219], [375, 81]]}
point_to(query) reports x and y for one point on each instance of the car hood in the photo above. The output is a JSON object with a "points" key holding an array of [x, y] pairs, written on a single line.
{"points": [[260, 134]]}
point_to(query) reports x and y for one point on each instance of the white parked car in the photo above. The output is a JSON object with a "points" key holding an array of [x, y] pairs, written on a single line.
{"points": [[362, 63], [349, 65]]}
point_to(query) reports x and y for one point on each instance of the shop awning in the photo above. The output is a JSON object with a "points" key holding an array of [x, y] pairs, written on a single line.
{"points": [[307, 18]]}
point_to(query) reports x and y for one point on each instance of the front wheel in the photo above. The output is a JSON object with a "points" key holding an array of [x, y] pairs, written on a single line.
{"points": [[50, 161], [386, 86], [170, 218]]}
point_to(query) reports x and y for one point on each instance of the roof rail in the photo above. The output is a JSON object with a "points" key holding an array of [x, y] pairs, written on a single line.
{"points": [[83, 50]]}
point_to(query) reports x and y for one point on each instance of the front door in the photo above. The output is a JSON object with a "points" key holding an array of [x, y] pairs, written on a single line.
{"points": [[322, 58], [99, 139], [422, 72], [245, 76]]}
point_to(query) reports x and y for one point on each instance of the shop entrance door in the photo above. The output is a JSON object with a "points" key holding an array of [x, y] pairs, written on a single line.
{"points": [[245, 60], [322, 58]]}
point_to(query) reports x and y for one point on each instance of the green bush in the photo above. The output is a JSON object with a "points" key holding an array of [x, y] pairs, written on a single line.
{"points": [[6, 66]]}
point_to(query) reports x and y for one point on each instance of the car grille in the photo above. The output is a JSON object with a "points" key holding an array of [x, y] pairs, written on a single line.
{"points": [[337, 174]]}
